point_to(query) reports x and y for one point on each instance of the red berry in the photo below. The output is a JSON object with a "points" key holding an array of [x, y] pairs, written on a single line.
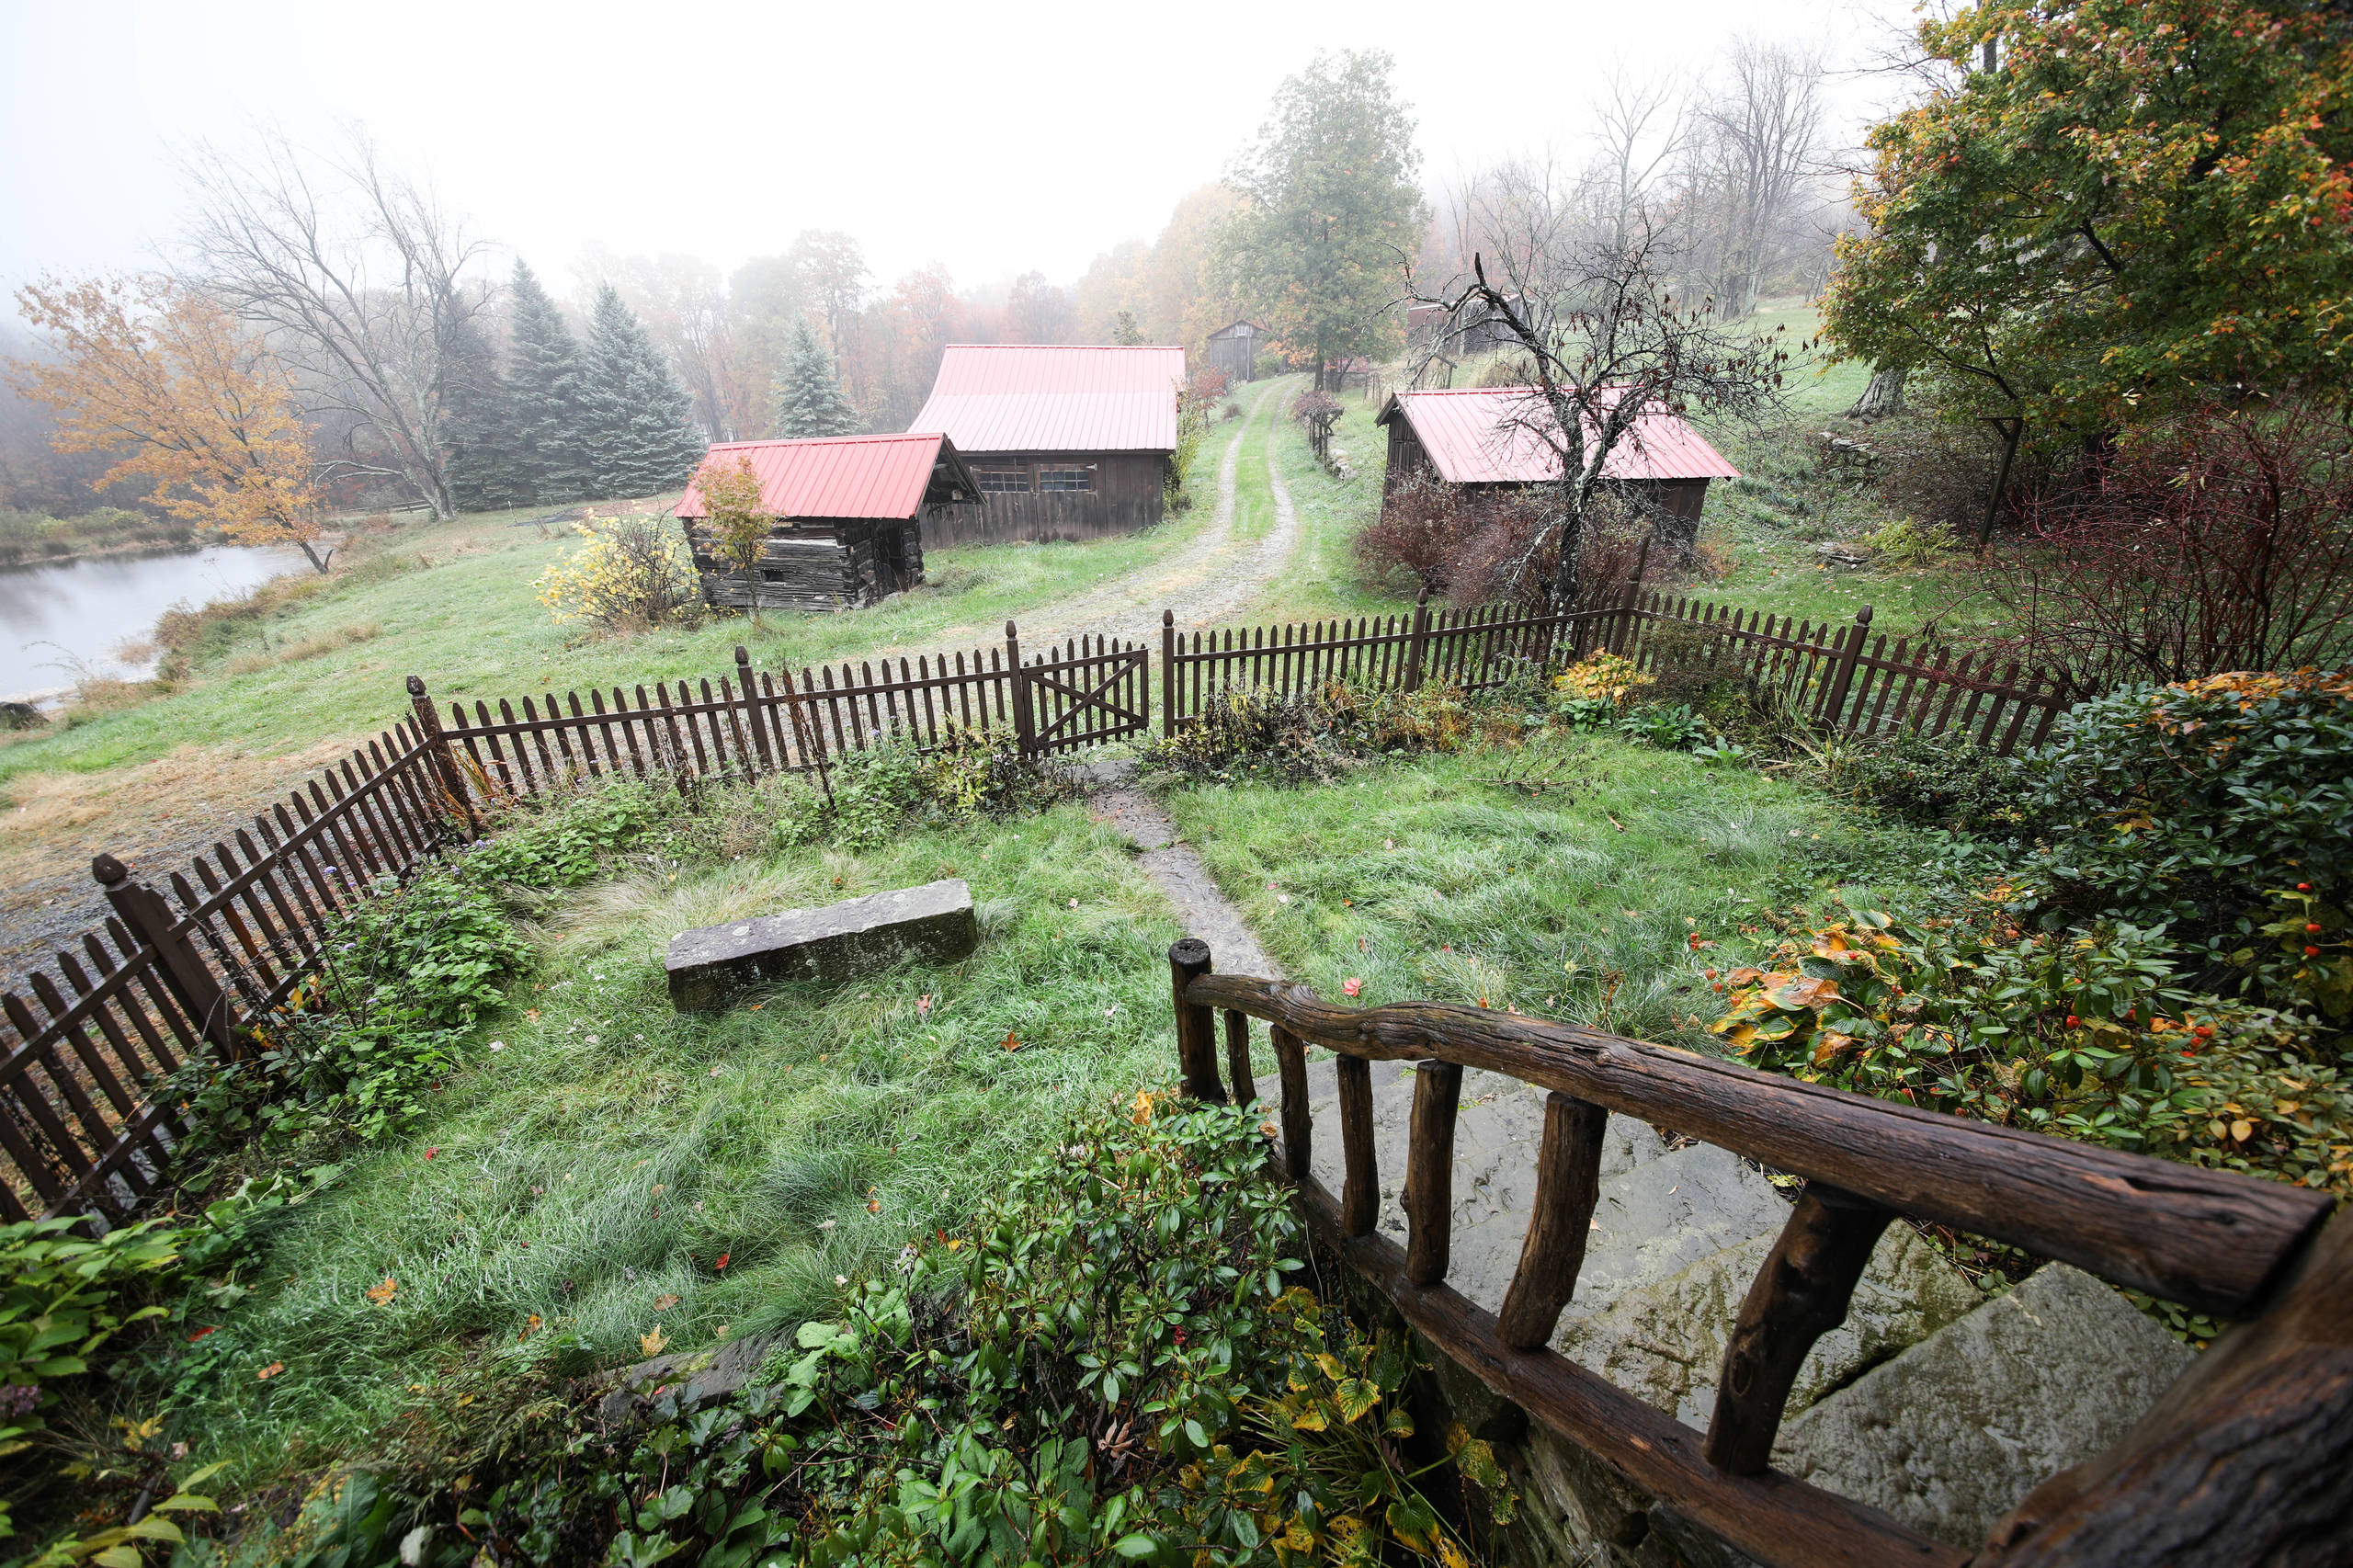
{"points": [[2204, 1031], [2074, 1022], [2313, 926], [2303, 887], [2311, 952]]}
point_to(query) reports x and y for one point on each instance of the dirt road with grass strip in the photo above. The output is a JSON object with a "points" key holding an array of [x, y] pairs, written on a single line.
{"points": [[1213, 579]]}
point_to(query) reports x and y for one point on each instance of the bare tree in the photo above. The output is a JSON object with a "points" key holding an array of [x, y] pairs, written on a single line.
{"points": [[1755, 168], [359, 278], [1606, 346]]}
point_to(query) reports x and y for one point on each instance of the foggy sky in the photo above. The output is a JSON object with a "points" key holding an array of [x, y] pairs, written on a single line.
{"points": [[994, 139]]}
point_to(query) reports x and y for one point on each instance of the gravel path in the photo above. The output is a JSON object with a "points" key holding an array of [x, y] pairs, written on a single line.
{"points": [[1211, 580]]}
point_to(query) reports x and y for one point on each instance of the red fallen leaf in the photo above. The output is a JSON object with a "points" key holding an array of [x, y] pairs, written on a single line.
{"points": [[720, 1261], [201, 1333], [430, 1152], [1012, 1039]]}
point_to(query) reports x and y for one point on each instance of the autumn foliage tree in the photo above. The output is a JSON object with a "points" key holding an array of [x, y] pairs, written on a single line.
{"points": [[185, 397], [733, 511], [2107, 211]]}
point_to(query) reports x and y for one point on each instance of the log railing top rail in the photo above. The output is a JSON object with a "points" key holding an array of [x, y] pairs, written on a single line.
{"points": [[2246, 1452]]}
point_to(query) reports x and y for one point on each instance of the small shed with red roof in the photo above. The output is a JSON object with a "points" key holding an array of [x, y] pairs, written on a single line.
{"points": [[1489, 438], [850, 514], [1067, 441]]}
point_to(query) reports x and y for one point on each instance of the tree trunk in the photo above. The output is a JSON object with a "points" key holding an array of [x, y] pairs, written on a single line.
{"points": [[313, 556], [1883, 397]]}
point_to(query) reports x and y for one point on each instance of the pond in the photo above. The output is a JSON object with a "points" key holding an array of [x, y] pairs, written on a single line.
{"points": [[58, 621]]}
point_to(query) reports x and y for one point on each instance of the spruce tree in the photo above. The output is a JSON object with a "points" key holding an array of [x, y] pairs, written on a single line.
{"points": [[809, 400], [642, 434], [546, 385], [477, 433]]}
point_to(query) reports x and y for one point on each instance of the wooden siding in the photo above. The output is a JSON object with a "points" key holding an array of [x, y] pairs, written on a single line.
{"points": [[1128, 495], [817, 565], [1237, 356]]}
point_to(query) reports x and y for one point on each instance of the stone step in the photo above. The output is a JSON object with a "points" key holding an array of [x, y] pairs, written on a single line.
{"points": [[1665, 1342], [1658, 1213], [1948, 1435]]}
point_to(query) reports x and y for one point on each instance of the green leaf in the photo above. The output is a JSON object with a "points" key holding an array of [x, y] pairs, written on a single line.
{"points": [[1134, 1546]]}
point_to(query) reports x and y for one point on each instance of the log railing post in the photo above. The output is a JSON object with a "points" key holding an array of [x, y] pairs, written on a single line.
{"points": [[1568, 1185], [1189, 960], [1842, 677], [1167, 673], [185, 973], [1290, 1061], [1429, 1171], [1024, 723], [1360, 1190], [1799, 1295], [1237, 1056], [755, 712], [444, 755], [1418, 643]]}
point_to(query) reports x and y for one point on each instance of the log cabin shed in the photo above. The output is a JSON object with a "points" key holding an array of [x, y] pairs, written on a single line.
{"points": [[849, 513], [1476, 437], [1234, 349], [1067, 442]]}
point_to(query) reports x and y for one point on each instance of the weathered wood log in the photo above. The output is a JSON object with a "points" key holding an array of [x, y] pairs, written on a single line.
{"points": [[2243, 1461], [1800, 1294], [1779, 1521], [1429, 1171], [1189, 960], [1290, 1061], [1237, 1056], [1360, 1193], [2209, 1239], [1568, 1185]]}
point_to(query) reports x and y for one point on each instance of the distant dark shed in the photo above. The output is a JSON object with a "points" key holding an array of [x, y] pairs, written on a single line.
{"points": [[850, 514], [1234, 349], [1479, 438], [1067, 442]]}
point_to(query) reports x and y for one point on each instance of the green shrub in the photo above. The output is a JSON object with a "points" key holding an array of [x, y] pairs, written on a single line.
{"points": [[567, 843], [1940, 781], [868, 796], [2189, 803], [1670, 726], [1261, 736], [1111, 1364]]}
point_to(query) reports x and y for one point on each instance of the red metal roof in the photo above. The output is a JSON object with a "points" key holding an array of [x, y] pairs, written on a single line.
{"points": [[834, 476], [1483, 435], [1028, 398]]}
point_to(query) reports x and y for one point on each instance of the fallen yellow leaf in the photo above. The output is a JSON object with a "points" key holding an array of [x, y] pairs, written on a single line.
{"points": [[652, 1343], [272, 1370], [663, 1303], [380, 1294]]}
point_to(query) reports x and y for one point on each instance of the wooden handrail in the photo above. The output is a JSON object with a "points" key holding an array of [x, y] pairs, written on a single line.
{"points": [[2244, 1458], [2209, 1239]]}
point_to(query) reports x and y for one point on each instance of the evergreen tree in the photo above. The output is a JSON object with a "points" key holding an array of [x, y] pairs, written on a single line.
{"points": [[477, 432], [546, 386], [809, 400], [640, 421]]}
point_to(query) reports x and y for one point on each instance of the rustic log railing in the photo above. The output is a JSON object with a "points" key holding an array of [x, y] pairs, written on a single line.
{"points": [[2242, 1461]]}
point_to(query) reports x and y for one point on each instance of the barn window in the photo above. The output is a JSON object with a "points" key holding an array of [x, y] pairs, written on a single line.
{"points": [[1002, 481], [771, 574], [1065, 479]]}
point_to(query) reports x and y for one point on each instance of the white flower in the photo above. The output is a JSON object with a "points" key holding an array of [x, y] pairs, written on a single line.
{"points": [[498, 1045], [841, 1279]]}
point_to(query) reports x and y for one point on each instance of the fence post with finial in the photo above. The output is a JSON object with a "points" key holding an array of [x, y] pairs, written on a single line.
{"points": [[444, 755], [1421, 637], [755, 713], [1025, 726], [192, 981], [1167, 672], [1836, 704]]}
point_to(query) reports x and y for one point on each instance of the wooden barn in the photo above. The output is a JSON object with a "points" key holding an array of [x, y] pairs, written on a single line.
{"points": [[850, 512], [1065, 442], [1234, 349], [1475, 437]]}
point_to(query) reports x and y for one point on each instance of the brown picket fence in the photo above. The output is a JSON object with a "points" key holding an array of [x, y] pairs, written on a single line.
{"points": [[90, 1038], [94, 1038], [1839, 678]]}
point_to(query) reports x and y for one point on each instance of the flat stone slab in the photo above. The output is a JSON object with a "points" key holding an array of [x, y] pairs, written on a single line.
{"points": [[714, 963], [1949, 1435]]}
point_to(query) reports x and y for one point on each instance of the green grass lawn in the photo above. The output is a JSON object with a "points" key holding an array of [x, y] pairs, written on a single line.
{"points": [[605, 1154], [1431, 880]]}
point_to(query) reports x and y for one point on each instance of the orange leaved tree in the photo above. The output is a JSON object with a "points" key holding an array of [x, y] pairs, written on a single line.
{"points": [[176, 389], [739, 527]]}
